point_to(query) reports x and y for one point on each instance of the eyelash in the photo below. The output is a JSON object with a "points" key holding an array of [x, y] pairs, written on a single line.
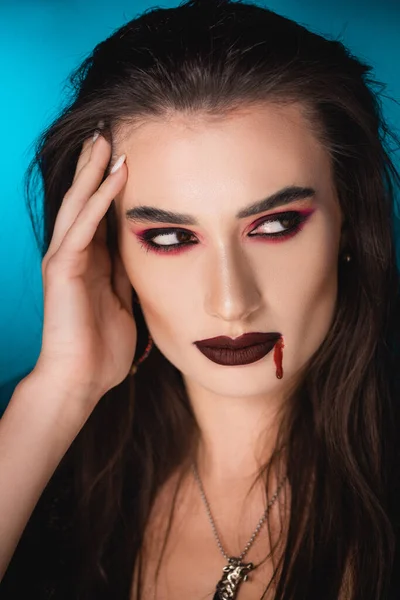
{"points": [[297, 217]]}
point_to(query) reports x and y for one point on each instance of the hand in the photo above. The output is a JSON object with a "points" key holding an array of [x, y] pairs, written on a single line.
{"points": [[89, 332]]}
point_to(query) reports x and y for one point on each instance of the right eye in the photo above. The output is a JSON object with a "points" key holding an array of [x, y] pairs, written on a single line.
{"points": [[165, 236]]}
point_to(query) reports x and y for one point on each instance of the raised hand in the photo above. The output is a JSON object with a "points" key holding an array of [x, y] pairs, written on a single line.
{"points": [[89, 332]]}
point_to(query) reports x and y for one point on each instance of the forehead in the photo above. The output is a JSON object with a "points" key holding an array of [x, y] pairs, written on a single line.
{"points": [[243, 154]]}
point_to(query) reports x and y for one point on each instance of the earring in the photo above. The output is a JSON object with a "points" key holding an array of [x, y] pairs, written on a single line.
{"points": [[347, 257], [135, 365], [149, 346]]}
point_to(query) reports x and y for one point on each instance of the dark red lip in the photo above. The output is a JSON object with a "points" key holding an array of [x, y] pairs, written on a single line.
{"points": [[245, 340], [244, 350]]}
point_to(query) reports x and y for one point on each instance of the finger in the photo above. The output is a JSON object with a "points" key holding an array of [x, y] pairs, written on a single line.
{"points": [[84, 156], [101, 232], [86, 184], [83, 229]]}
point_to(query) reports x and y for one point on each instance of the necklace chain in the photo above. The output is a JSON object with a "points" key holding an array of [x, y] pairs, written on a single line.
{"points": [[214, 527]]}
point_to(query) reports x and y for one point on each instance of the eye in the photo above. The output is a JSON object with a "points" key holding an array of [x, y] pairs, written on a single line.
{"points": [[162, 240], [166, 238], [282, 225]]}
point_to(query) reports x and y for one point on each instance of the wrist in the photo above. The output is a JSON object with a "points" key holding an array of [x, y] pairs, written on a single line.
{"points": [[66, 405]]}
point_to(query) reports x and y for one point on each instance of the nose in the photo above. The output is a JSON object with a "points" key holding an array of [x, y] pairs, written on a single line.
{"points": [[232, 291]]}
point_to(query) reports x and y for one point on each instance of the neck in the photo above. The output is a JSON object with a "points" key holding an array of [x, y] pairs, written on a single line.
{"points": [[238, 435]]}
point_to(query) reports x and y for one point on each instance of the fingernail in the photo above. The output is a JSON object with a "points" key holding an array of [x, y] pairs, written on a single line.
{"points": [[99, 127], [119, 163]]}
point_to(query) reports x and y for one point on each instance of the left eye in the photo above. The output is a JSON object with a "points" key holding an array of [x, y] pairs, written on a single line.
{"points": [[275, 226]]}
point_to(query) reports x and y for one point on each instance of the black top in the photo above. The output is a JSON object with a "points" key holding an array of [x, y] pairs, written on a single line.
{"points": [[43, 566]]}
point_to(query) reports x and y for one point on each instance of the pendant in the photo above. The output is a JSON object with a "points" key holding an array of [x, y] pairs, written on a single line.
{"points": [[232, 576]]}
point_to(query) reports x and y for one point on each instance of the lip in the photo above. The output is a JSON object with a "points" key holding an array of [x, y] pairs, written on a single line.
{"points": [[244, 350]]}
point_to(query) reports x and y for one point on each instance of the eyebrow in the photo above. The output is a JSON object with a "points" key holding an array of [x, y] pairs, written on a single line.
{"points": [[140, 214]]}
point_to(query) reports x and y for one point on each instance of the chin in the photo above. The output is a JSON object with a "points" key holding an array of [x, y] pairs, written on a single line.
{"points": [[241, 383]]}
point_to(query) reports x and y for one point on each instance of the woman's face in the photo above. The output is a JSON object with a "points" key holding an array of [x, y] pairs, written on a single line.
{"points": [[271, 271]]}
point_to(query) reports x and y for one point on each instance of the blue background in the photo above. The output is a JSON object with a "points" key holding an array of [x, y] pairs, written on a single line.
{"points": [[41, 41]]}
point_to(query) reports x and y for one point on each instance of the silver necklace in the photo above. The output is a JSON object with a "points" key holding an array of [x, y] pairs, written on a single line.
{"points": [[235, 571]]}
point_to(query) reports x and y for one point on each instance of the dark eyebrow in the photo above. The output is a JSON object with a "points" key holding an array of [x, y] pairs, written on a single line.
{"points": [[157, 215]]}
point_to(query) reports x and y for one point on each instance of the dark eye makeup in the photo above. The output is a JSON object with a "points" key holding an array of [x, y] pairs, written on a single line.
{"points": [[290, 222]]}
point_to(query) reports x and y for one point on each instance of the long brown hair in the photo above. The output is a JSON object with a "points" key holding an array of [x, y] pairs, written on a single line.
{"points": [[339, 427]]}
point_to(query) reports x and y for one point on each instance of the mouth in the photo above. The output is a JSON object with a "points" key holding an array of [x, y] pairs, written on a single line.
{"points": [[243, 350]]}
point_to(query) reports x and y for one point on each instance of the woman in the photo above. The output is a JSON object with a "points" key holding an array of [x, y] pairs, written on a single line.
{"points": [[239, 182]]}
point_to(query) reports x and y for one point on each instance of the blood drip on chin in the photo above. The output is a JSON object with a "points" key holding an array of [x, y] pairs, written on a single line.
{"points": [[278, 355]]}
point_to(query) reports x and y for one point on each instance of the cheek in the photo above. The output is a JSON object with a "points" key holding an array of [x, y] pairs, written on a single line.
{"points": [[314, 293], [163, 294], [166, 295], [167, 321], [305, 293], [161, 316]]}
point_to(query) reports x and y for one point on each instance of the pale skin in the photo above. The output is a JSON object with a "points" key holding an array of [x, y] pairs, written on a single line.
{"points": [[228, 284]]}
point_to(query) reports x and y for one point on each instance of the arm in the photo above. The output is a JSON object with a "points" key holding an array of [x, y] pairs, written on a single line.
{"points": [[36, 430]]}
